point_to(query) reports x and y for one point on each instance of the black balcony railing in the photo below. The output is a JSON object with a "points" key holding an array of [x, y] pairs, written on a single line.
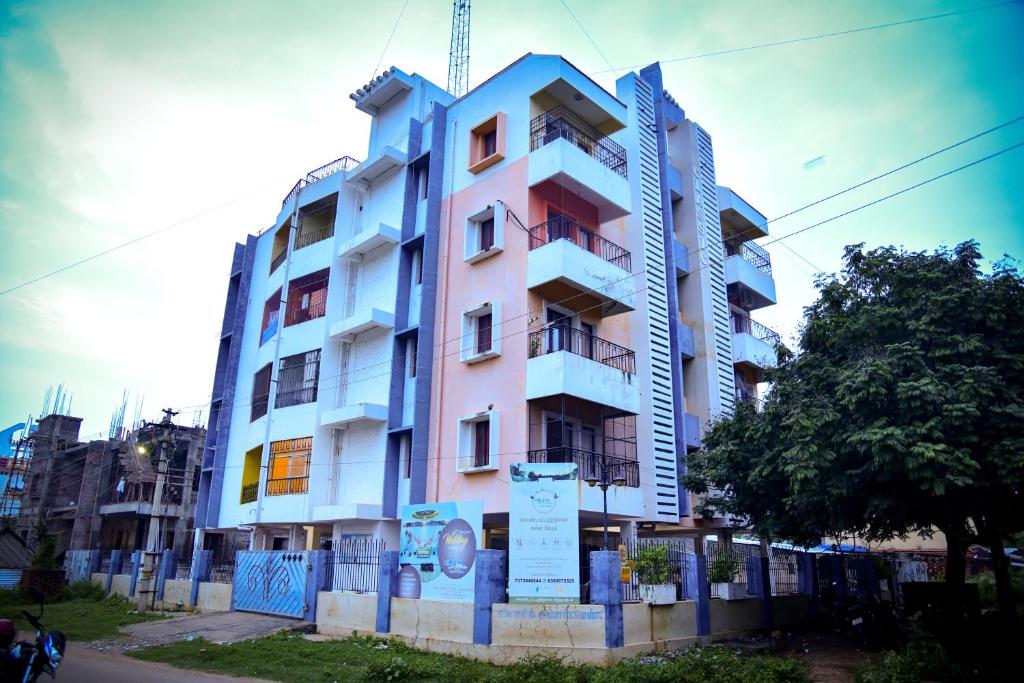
{"points": [[287, 486], [562, 338], [249, 493], [561, 124], [276, 262], [564, 228], [259, 407], [304, 239], [742, 324], [343, 164], [752, 253], [590, 463]]}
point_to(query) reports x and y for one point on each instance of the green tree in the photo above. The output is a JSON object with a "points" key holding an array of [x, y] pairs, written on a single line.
{"points": [[902, 412], [45, 556]]}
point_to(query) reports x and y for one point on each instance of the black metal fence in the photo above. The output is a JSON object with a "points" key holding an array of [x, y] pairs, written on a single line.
{"points": [[753, 254], [681, 561], [565, 228], [222, 570], [353, 565], [562, 124], [564, 338]]}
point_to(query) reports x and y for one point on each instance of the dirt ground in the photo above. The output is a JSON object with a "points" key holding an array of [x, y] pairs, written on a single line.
{"points": [[832, 659]]}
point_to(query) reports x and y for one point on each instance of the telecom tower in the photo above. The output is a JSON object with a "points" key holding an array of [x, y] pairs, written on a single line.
{"points": [[458, 57]]}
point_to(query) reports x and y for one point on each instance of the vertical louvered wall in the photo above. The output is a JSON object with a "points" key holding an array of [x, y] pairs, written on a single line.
{"points": [[712, 265]]}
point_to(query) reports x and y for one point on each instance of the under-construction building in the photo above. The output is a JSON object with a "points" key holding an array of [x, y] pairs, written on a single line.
{"points": [[106, 493]]}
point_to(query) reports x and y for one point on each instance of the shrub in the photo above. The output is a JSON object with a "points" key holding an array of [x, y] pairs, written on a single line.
{"points": [[84, 590], [706, 665], [724, 568], [652, 564], [46, 554], [924, 658]]}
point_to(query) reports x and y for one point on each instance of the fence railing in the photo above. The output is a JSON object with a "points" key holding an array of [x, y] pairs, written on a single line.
{"points": [[345, 163], [680, 558], [562, 124], [590, 463], [183, 569], [564, 228], [353, 565], [249, 493], [784, 571], [316, 308], [222, 570], [294, 397], [752, 253], [742, 324], [276, 262], [563, 338], [287, 486], [304, 239]]}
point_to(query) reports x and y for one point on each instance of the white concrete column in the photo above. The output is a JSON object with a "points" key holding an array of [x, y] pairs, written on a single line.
{"points": [[296, 539], [627, 532]]}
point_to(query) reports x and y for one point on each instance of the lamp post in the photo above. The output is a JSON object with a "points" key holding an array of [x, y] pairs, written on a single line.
{"points": [[604, 479]]}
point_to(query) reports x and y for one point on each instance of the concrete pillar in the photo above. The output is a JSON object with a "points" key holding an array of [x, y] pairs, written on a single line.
{"points": [[491, 581], [627, 533], [387, 587], [136, 566], [168, 569], [606, 589], [95, 562], [115, 567], [703, 594], [336, 533], [752, 567], [316, 579], [296, 539], [767, 607], [202, 563]]}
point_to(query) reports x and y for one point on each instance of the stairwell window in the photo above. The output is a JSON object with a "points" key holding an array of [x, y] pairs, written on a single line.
{"points": [[478, 442], [289, 466], [297, 378], [481, 333], [485, 233]]}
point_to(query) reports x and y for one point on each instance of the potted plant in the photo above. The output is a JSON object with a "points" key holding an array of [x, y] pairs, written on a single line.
{"points": [[722, 573], [652, 570]]}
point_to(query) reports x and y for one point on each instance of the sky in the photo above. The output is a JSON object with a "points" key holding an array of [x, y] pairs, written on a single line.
{"points": [[118, 119]]}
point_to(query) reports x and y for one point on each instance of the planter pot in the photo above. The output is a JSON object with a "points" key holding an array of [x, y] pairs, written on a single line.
{"points": [[731, 591], [658, 593]]}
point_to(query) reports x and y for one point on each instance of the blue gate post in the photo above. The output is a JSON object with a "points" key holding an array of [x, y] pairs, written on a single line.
{"points": [[703, 594], [202, 562], [767, 608], [807, 582], [489, 589], [136, 565], [753, 567], [606, 589], [95, 562], [387, 587], [316, 578], [115, 567], [168, 568]]}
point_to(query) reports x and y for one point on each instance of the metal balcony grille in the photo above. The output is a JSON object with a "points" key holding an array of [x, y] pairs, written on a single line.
{"points": [[752, 253], [287, 486], [276, 262], [742, 324], [590, 463], [561, 124], [345, 163], [259, 407], [564, 228], [304, 239], [562, 338], [249, 493], [297, 379]]}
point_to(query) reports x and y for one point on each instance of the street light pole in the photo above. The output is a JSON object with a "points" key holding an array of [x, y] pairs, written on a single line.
{"points": [[604, 480]]}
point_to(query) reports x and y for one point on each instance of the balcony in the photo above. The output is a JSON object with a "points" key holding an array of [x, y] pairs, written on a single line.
{"points": [[753, 345], [259, 407], [365, 321], [568, 361], [360, 245], [738, 217], [354, 415], [748, 275], [578, 268], [386, 160], [589, 463], [570, 152], [249, 493], [287, 486], [338, 165]]}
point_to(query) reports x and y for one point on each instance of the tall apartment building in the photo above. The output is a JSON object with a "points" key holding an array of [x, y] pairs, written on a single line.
{"points": [[537, 271]]}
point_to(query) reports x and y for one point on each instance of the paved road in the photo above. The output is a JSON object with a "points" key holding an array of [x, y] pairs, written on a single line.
{"points": [[83, 665]]}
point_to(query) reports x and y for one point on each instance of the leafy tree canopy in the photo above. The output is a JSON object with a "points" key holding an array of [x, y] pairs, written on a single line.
{"points": [[902, 411]]}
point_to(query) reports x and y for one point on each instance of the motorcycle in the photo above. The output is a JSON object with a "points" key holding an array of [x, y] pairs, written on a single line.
{"points": [[26, 660]]}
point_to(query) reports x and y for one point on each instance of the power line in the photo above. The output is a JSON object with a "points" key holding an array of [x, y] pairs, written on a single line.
{"points": [[243, 402], [821, 36], [387, 43], [587, 34]]}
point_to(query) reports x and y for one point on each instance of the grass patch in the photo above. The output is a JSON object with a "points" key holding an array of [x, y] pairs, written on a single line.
{"points": [[84, 614], [289, 657]]}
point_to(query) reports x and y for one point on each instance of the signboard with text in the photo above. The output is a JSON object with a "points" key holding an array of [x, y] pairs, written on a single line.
{"points": [[437, 550], [544, 531]]}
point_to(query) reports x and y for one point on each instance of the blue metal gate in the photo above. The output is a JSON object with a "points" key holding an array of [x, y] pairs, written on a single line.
{"points": [[271, 582]]}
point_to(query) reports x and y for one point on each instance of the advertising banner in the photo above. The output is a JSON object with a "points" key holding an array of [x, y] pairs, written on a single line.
{"points": [[544, 532], [437, 550]]}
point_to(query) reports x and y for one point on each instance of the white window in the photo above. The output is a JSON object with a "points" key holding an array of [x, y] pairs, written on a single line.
{"points": [[485, 233], [478, 442], [481, 333]]}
